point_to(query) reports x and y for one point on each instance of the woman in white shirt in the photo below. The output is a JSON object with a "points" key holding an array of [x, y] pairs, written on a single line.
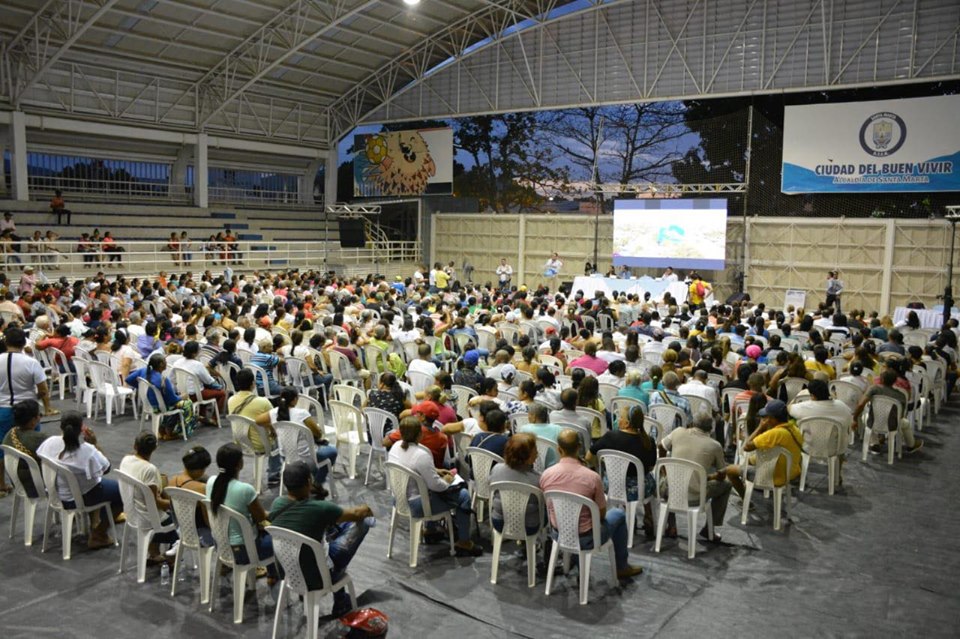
{"points": [[89, 465], [122, 354], [287, 411], [444, 493]]}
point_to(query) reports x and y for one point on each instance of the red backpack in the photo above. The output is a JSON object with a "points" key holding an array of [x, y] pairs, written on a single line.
{"points": [[701, 290]]}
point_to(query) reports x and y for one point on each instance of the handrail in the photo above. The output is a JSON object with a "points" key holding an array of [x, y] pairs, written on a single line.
{"points": [[150, 257], [114, 190]]}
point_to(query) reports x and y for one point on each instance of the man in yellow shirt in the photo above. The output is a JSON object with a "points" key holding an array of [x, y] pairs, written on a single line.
{"points": [[775, 429], [820, 363], [698, 291], [247, 403]]}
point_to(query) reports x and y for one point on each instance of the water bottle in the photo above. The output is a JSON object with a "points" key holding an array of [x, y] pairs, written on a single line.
{"points": [[164, 574], [371, 522]]}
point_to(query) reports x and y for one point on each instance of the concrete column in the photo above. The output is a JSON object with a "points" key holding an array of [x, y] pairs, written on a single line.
{"points": [[521, 268], [178, 170], [307, 181], [330, 178], [3, 177], [886, 280], [201, 192], [18, 155]]}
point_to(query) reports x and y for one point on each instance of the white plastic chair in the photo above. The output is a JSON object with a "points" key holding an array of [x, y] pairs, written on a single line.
{"points": [[86, 390], [566, 508], [615, 465], [143, 519], [315, 408], [823, 438], [53, 473], [699, 405], [348, 394], [545, 445], [518, 420], [794, 385], [13, 458], [398, 479], [342, 370], [763, 478], [240, 428], [189, 385], [880, 409], [379, 423], [679, 473], [291, 437], [156, 415], [514, 497], [110, 387], [287, 546], [243, 574], [670, 416], [261, 381], [60, 370], [348, 420], [621, 402], [300, 375], [185, 503], [847, 392], [608, 392], [464, 394], [481, 461]]}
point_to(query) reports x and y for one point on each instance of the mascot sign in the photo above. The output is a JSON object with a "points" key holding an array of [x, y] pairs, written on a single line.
{"points": [[868, 147], [394, 163]]}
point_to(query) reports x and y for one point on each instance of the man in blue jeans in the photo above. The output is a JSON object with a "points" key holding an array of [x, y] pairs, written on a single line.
{"points": [[304, 509], [571, 475]]}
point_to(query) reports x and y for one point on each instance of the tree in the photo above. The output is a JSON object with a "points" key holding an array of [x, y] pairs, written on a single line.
{"points": [[511, 161]]}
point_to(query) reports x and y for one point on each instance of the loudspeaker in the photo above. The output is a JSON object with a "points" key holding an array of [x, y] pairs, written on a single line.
{"points": [[351, 233]]}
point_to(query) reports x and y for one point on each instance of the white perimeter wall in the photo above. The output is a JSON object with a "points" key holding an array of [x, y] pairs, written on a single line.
{"points": [[884, 263]]}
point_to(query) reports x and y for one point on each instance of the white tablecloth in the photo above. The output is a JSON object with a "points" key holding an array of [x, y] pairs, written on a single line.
{"points": [[928, 317], [611, 285]]}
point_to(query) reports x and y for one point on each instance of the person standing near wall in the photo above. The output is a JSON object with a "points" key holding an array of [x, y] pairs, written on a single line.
{"points": [[834, 290]]}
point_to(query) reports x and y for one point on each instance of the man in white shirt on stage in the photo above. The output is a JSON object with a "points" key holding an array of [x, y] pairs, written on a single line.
{"points": [[551, 268], [504, 273]]}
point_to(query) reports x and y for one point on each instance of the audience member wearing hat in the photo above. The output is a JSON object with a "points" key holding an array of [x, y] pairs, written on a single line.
{"points": [[427, 412], [776, 429]]}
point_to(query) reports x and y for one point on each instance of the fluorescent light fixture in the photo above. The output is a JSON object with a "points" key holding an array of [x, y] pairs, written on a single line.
{"points": [[411, 3]]}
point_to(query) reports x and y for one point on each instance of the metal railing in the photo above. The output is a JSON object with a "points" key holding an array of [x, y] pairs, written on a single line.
{"points": [[110, 190], [56, 258], [91, 189]]}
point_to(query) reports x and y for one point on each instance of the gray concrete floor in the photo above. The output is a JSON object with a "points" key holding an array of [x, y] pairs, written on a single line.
{"points": [[876, 559]]}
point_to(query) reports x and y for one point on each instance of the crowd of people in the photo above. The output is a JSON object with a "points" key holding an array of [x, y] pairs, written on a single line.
{"points": [[504, 364]]}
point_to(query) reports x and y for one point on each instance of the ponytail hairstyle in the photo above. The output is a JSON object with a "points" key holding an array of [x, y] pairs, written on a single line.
{"points": [[249, 335], [156, 363], [119, 339], [389, 381], [71, 426], [409, 431], [288, 397], [635, 420], [656, 375], [229, 460]]}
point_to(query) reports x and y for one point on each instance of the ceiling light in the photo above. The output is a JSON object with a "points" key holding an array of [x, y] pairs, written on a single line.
{"points": [[411, 3]]}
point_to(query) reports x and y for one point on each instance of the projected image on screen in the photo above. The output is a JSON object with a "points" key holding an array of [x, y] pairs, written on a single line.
{"points": [[684, 234]]}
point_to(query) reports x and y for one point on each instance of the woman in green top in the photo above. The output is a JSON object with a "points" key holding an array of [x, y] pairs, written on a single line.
{"points": [[226, 490]]}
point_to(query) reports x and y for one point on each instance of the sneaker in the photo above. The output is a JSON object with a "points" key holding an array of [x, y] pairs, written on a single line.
{"points": [[469, 551], [273, 482], [876, 449], [629, 571], [917, 445], [172, 551]]}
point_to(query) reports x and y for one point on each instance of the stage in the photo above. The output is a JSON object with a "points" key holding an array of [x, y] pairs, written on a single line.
{"points": [[613, 285]]}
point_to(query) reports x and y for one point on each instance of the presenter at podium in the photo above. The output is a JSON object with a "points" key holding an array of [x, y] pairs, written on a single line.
{"points": [[551, 269]]}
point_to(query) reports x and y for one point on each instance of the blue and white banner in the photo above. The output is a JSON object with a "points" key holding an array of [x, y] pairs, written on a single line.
{"points": [[869, 147]]}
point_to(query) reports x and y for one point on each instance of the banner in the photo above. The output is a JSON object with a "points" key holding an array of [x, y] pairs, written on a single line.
{"points": [[869, 147], [411, 162]]}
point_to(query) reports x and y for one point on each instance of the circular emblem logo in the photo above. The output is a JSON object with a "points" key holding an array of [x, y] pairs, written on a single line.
{"points": [[883, 134]]}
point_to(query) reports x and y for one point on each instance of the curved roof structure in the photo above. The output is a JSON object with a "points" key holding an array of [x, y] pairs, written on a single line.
{"points": [[307, 71]]}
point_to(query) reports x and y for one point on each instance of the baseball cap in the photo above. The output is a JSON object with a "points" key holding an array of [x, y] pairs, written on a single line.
{"points": [[754, 351], [774, 408], [428, 409], [508, 372], [551, 330], [471, 358]]}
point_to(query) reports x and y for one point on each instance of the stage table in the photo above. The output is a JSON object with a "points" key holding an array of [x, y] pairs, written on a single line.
{"points": [[929, 318]]}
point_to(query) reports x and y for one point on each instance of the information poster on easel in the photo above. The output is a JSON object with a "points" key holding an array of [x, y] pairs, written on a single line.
{"points": [[794, 297]]}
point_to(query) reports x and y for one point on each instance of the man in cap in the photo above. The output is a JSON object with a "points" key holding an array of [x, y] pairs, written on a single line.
{"points": [[427, 412], [304, 509], [776, 429], [468, 375]]}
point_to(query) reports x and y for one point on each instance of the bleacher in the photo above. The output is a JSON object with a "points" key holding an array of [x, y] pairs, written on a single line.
{"points": [[124, 221]]}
